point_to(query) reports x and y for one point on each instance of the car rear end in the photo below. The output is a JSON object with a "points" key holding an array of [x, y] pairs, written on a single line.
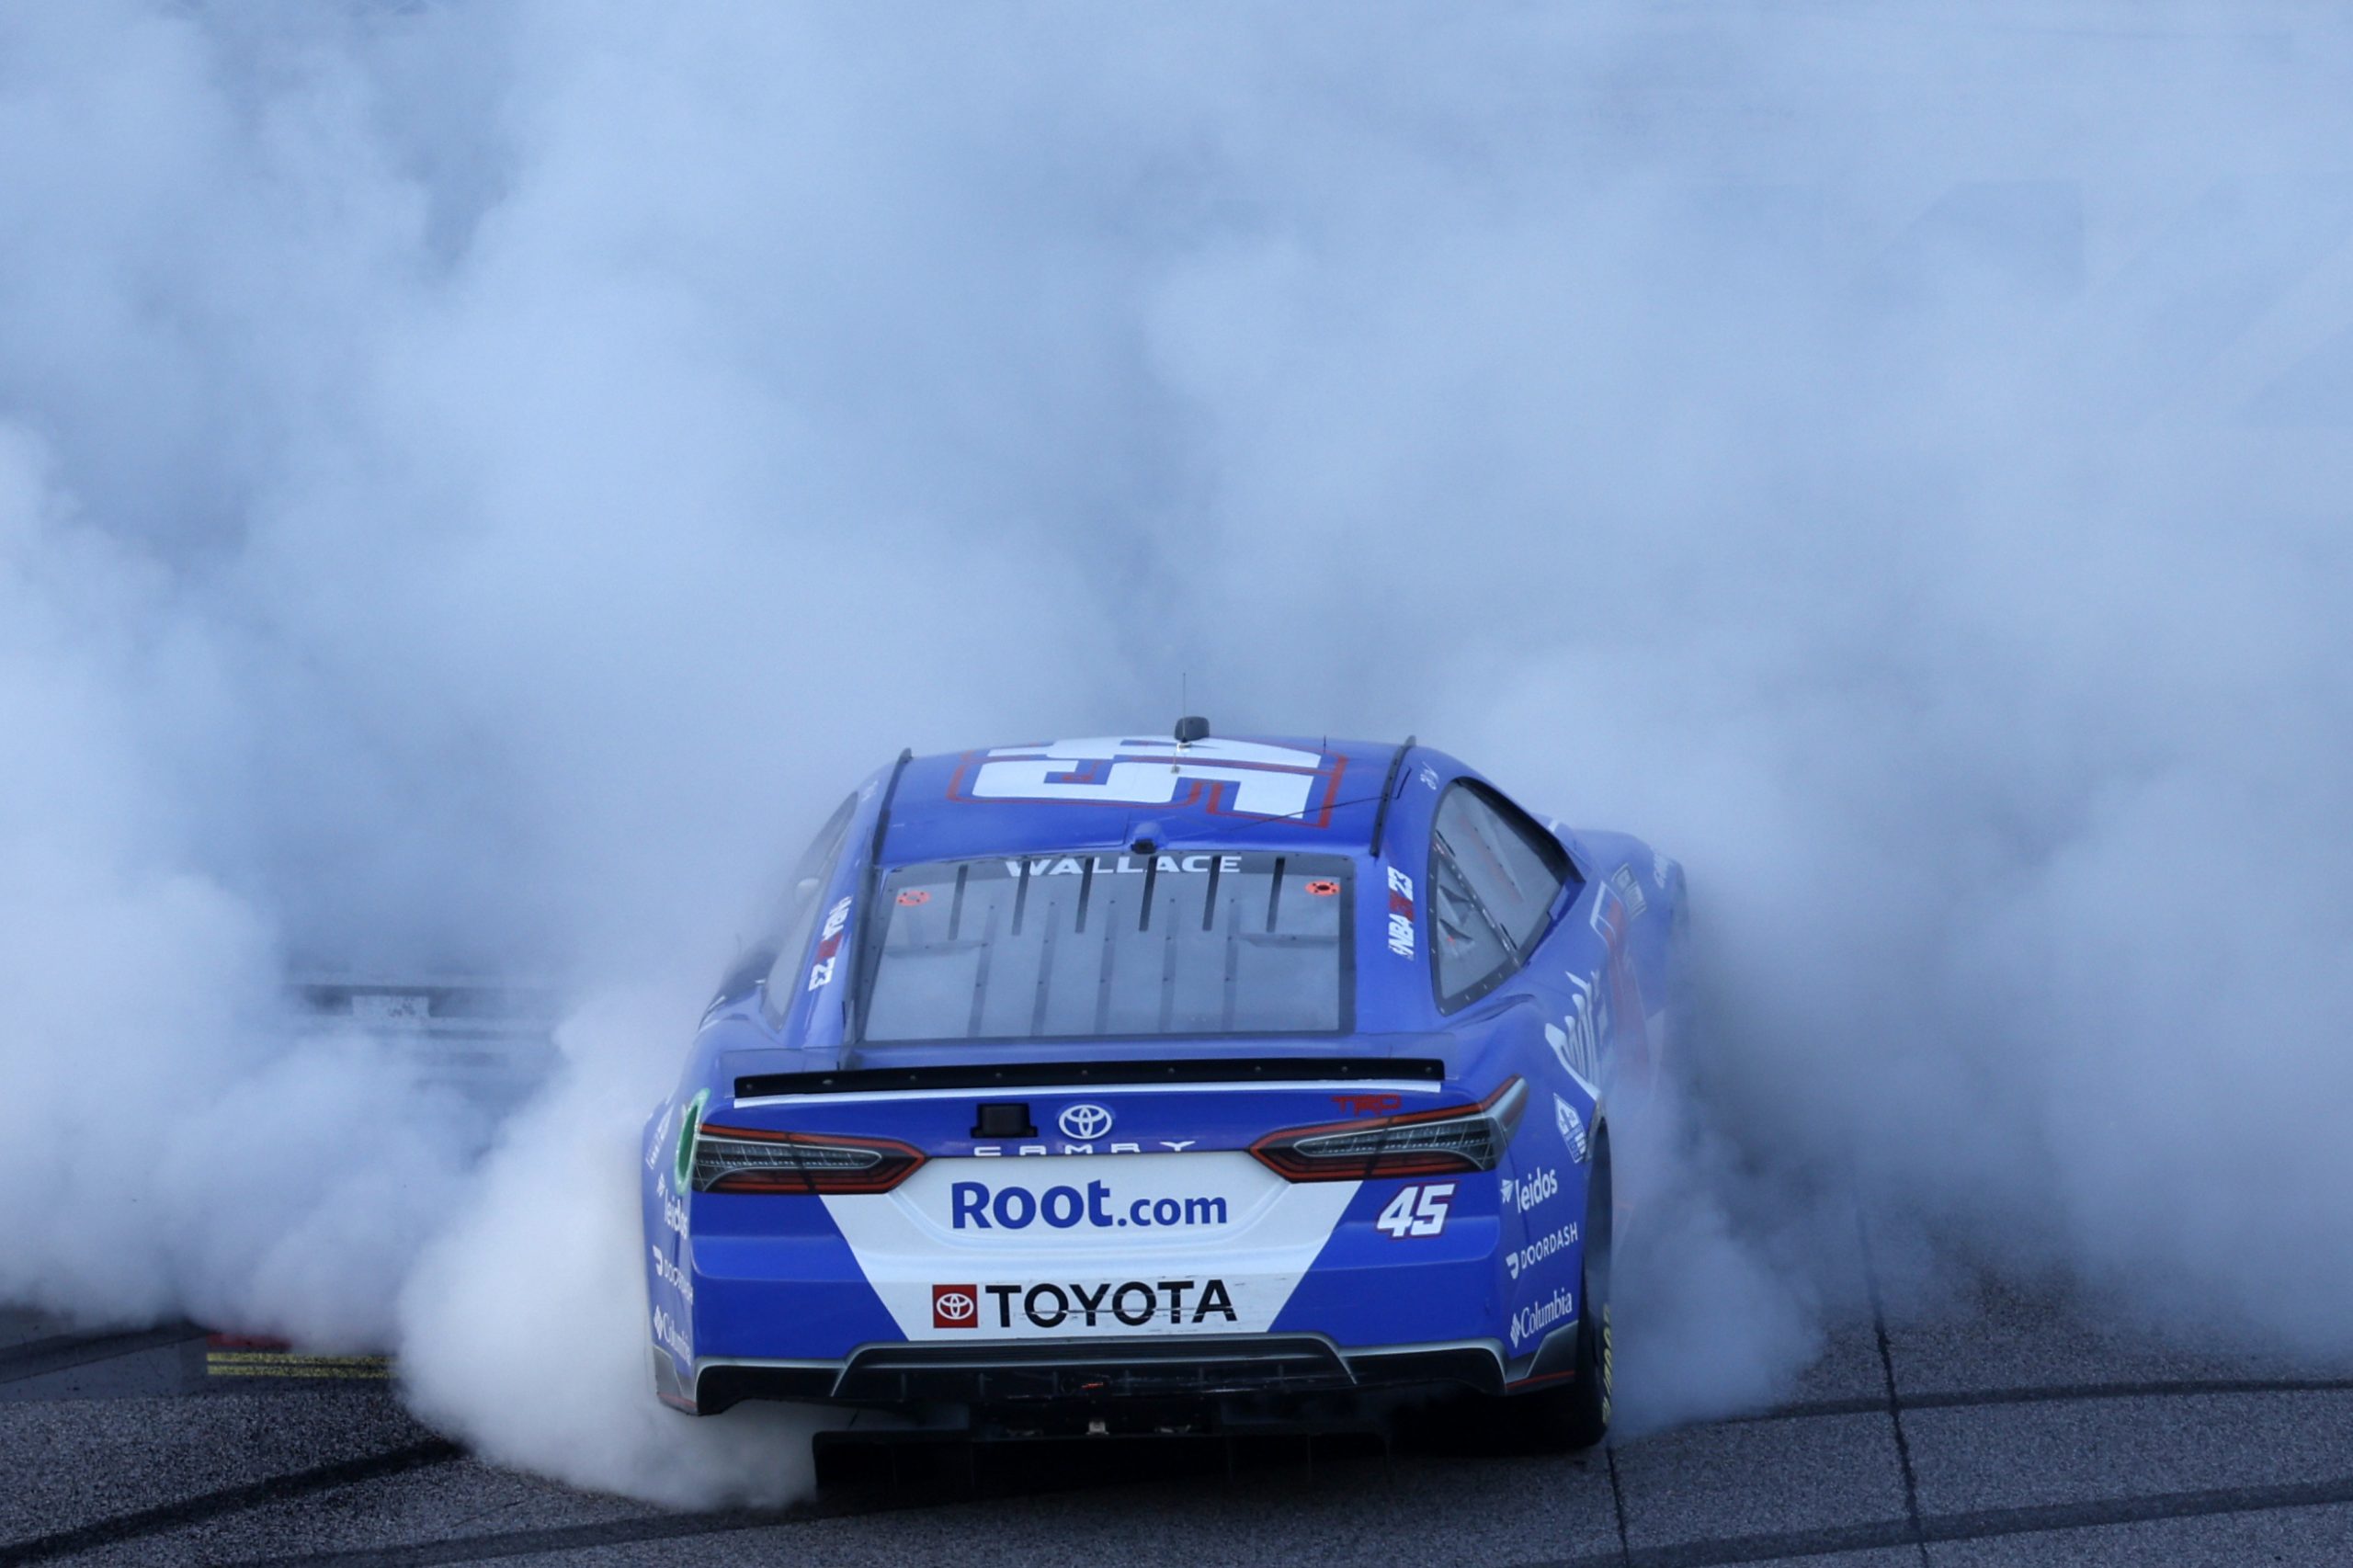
{"points": [[1198, 1230], [1108, 1150]]}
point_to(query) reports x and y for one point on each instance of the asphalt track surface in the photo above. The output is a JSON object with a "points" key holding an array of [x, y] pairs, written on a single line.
{"points": [[2007, 1431]]}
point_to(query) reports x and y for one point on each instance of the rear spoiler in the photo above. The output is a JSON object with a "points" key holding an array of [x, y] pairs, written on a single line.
{"points": [[1044, 1075]]}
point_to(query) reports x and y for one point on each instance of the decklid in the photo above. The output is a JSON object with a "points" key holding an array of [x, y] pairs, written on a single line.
{"points": [[1038, 1064]]}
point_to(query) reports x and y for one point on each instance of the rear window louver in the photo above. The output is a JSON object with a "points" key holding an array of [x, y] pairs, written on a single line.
{"points": [[1043, 1075]]}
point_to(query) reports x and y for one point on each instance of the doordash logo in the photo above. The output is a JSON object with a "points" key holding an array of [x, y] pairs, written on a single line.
{"points": [[955, 1306]]}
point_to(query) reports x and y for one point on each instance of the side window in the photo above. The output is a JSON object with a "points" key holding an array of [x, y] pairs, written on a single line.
{"points": [[1494, 874], [808, 876], [1468, 952]]}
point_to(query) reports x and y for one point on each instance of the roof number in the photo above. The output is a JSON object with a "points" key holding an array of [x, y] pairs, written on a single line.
{"points": [[1243, 778]]}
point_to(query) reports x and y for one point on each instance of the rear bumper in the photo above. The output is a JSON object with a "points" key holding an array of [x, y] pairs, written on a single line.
{"points": [[1096, 1371]]}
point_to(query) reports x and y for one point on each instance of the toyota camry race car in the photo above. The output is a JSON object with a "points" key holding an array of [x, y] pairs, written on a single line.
{"points": [[1167, 1085]]}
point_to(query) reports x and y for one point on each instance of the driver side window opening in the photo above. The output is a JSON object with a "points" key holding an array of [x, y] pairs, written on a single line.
{"points": [[803, 893], [1494, 875]]}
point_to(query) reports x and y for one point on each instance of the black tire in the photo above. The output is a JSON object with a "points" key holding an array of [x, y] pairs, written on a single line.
{"points": [[1575, 1413]]}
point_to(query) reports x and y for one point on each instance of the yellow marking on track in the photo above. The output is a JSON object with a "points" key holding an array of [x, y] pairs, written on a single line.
{"points": [[285, 1364]]}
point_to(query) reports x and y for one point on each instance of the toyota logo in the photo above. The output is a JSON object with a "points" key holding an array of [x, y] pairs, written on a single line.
{"points": [[955, 1306], [1085, 1122]]}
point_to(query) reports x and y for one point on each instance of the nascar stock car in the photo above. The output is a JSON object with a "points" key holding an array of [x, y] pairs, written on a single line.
{"points": [[1167, 1085]]}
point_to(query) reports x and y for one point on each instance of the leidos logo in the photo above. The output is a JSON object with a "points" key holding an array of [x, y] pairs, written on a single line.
{"points": [[1532, 1191], [955, 1306], [1085, 1122]]}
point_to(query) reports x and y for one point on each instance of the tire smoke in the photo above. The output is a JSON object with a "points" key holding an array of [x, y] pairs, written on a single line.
{"points": [[476, 484]]}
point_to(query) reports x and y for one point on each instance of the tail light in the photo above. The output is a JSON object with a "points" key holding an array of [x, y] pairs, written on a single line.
{"points": [[1426, 1143], [748, 1159]]}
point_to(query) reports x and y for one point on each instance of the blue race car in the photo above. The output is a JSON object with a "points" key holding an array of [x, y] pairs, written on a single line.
{"points": [[1167, 1085]]}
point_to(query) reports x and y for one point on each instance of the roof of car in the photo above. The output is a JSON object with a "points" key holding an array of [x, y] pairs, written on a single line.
{"points": [[1242, 792]]}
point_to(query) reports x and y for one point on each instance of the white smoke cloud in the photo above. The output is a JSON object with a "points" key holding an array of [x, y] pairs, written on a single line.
{"points": [[524, 1323], [473, 483]]}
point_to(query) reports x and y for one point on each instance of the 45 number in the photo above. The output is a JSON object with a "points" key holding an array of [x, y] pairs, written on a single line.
{"points": [[1416, 1211]]}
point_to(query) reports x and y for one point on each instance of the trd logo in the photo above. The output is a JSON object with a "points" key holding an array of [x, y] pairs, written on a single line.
{"points": [[955, 1306], [1368, 1105]]}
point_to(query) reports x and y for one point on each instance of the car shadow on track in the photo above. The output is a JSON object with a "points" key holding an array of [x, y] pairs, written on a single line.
{"points": [[908, 1467]]}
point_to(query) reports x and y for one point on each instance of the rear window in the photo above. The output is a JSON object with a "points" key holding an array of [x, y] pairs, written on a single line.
{"points": [[1075, 947]]}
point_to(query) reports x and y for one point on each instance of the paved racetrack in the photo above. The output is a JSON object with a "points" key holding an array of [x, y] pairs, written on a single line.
{"points": [[2009, 1432]]}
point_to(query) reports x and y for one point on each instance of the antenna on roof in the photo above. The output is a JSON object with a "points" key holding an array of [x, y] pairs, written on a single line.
{"points": [[1190, 728]]}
